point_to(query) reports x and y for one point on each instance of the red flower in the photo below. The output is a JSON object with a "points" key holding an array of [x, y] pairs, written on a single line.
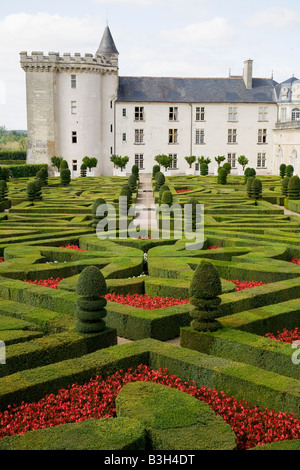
{"points": [[52, 283], [214, 247], [242, 285], [295, 261], [144, 301], [1, 259], [72, 247], [286, 336]]}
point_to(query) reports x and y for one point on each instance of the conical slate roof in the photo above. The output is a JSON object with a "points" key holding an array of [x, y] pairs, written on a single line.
{"points": [[107, 45]]}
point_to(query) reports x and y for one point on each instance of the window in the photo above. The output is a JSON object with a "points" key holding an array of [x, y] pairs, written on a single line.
{"points": [[139, 113], [74, 137], [261, 160], [139, 136], [139, 160], [73, 107], [262, 136], [173, 114], [173, 136], [124, 137], [111, 150], [74, 165], [200, 114], [111, 105], [232, 136], [73, 81], [232, 114], [124, 112], [283, 114], [231, 158], [296, 114], [111, 128], [263, 113], [199, 136], [174, 164]]}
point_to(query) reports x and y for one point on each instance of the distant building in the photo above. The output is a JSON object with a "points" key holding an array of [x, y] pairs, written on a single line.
{"points": [[79, 106]]}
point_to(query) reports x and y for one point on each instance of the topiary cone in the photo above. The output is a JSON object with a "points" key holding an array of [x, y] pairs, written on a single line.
{"points": [[204, 294], [90, 308]]}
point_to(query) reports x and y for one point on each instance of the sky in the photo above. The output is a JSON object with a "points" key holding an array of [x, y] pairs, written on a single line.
{"points": [[178, 38]]}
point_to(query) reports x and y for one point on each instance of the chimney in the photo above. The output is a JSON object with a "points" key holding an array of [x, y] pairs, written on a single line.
{"points": [[248, 69]]}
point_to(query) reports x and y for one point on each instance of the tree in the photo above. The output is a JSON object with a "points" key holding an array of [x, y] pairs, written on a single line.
{"points": [[222, 176], [163, 188], [282, 169], [38, 189], [83, 169], [132, 182], [64, 165], [227, 167], [3, 190], [204, 160], [96, 219], [119, 162], [203, 169], [249, 185], [90, 162], [160, 180], [204, 293], [249, 172], [164, 160], [23, 143], [56, 162], [90, 307], [284, 185], [256, 189], [65, 177], [192, 216], [289, 171], [294, 188], [220, 159], [155, 169], [42, 175], [135, 171], [243, 161], [190, 160], [167, 198]]}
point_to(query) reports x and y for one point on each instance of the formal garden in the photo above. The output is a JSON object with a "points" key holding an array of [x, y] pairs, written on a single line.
{"points": [[139, 343]]}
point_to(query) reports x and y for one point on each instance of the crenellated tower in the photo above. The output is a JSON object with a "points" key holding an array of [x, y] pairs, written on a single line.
{"points": [[70, 105]]}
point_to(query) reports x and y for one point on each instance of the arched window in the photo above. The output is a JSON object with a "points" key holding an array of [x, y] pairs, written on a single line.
{"points": [[296, 114]]}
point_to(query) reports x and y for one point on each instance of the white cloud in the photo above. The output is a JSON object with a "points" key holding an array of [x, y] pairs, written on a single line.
{"points": [[275, 18], [211, 33]]}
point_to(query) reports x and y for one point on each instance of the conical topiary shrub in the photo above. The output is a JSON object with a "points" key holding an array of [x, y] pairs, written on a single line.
{"points": [[204, 169], [160, 180], [222, 176], [90, 307], [65, 176], [289, 171], [163, 188], [64, 165], [38, 189], [256, 188], [42, 175], [204, 293], [124, 204], [135, 171], [249, 173], [249, 185], [96, 204], [167, 198], [132, 182], [31, 190], [293, 190], [83, 170], [155, 170], [191, 214], [284, 185]]}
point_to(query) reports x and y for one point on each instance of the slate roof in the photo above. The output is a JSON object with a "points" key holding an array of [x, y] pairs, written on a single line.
{"points": [[288, 84], [195, 90], [107, 45]]}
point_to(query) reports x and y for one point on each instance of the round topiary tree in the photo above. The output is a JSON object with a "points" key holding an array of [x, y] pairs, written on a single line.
{"points": [[90, 307], [227, 167], [289, 171], [64, 165], [155, 170], [222, 176], [293, 191], [96, 218], [160, 180], [256, 189], [3, 190], [203, 169], [282, 169], [204, 293], [163, 188], [284, 185], [249, 172], [249, 185], [132, 182], [65, 176], [167, 198], [83, 170]]}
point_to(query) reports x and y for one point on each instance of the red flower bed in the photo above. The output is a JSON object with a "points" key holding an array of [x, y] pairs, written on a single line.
{"points": [[53, 283], [183, 190], [286, 336], [96, 399], [295, 261], [144, 301], [242, 285], [214, 247], [72, 247], [1, 259]]}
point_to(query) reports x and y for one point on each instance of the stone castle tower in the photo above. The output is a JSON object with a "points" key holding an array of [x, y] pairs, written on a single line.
{"points": [[70, 105]]}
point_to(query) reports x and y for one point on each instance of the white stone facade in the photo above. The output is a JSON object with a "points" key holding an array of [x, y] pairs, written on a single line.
{"points": [[78, 106]]}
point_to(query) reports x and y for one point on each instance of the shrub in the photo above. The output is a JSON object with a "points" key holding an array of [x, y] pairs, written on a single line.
{"points": [[65, 176], [96, 204], [132, 183], [167, 198], [204, 169], [227, 167], [90, 308], [38, 189], [135, 171], [160, 180], [222, 176], [190, 160], [155, 170], [4, 173], [294, 188], [282, 169], [249, 172], [284, 185], [12, 155], [25, 171], [204, 293], [3, 190], [249, 185], [83, 170], [31, 191], [125, 204], [256, 188], [163, 188], [289, 171], [42, 175], [191, 216], [64, 165]]}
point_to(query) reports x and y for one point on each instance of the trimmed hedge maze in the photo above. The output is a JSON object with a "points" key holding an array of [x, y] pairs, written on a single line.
{"points": [[50, 242]]}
